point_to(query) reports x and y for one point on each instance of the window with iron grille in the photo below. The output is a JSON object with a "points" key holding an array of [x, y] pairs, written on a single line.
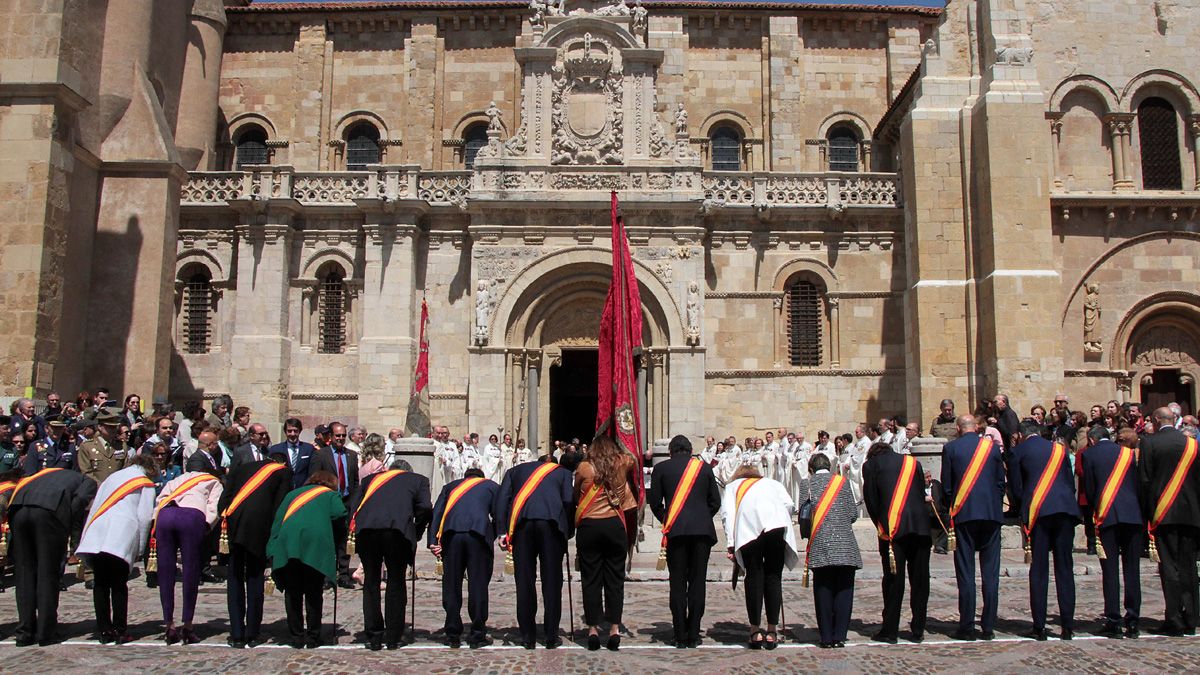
{"points": [[474, 138], [362, 147], [804, 323], [252, 148], [726, 145], [332, 313], [197, 314], [843, 149], [1158, 133]]}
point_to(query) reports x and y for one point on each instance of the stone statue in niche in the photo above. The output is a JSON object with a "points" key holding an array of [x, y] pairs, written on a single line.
{"points": [[693, 313], [639, 15], [485, 302], [1091, 320], [493, 115], [681, 120], [539, 8]]}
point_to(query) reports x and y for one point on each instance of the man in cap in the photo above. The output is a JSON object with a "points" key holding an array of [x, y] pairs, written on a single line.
{"points": [[100, 457]]}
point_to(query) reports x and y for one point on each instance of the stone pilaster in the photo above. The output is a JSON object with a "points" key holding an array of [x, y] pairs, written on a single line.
{"points": [[420, 60], [309, 92], [786, 72]]}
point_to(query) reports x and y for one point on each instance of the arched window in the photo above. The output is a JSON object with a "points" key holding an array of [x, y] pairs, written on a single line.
{"points": [[804, 322], [726, 147], [197, 312], [331, 305], [362, 146], [251, 148], [1158, 134], [474, 138], [843, 148]]}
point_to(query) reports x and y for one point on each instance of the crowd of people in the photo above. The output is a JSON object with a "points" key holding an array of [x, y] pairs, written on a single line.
{"points": [[108, 487]]}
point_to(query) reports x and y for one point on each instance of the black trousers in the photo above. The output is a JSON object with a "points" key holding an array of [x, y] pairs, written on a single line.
{"points": [[912, 555], [377, 548], [37, 544], [538, 543], [1052, 534], [762, 560], [110, 593], [1177, 547], [833, 599], [982, 538], [1089, 526], [601, 544], [466, 554], [687, 566], [1123, 548], [302, 588], [244, 593]]}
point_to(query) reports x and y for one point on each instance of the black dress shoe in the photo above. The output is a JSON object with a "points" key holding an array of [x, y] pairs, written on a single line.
{"points": [[1067, 634], [312, 643], [478, 643], [375, 644], [89, 584], [454, 642], [25, 641], [50, 641], [917, 638], [1111, 630], [1132, 632], [236, 643], [106, 637], [987, 636], [123, 638], [825, 645], [528, 644], [393, 646], [593, 642], [614, 643], [209, 578], [1167, 630], [884, 637], [1038, 634], [345, 582], [964, 635], [553, 643], [840, 644], [172, 636], [680, 644], [297, 644], [255, 641]]}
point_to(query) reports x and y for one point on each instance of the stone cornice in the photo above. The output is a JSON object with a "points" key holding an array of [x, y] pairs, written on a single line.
{"points": [[785, 371], [58, 92], [148, 168]]}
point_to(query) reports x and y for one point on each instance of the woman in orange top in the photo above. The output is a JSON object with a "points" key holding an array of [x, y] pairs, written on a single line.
{"points": [[600, 536]]}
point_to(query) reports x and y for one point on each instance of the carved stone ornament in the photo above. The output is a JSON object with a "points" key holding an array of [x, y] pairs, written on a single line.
{"points": [[1091, 320], [485, 302], [586, 116], [1014, 56], [1165, 346], [693, 313]]}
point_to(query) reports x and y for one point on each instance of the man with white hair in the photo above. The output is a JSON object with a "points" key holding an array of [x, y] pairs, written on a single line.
{"points": [[356, 436], [1178, 412]]}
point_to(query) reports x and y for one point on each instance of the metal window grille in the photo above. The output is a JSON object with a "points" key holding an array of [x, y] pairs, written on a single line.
{"points": [[473, 141], [804, 323], [1158, 133], [843, 150], [726, 150], [332, 307], [252, 149], [362, 147], [197, 302]]}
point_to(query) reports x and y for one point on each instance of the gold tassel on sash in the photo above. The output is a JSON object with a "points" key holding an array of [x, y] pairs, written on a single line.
{"points": [[1154, 557], [951, 541], [662, 559], [1028, 551], [270, 586], [509, 567], [892, 557], [804, 579], [351, 548], [223, 544], [4, 539], [1100, 552], [438, 568], [152, 557]]}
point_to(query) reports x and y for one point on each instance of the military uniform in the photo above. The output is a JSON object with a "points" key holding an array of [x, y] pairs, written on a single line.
{"points": [[98, 459], [9, 458]]}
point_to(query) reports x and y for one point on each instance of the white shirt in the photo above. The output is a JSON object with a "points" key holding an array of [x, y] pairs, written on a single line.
{"points": [[766, 506]]}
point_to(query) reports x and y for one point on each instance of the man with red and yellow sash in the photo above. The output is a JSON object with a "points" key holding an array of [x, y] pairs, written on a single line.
{"points": [[1108, 478], [535, 504], [461, 534], [253, 492], [388, 514], [894, 494], [1044, 485], [1169, 474], [973, 481], [684, 496]]}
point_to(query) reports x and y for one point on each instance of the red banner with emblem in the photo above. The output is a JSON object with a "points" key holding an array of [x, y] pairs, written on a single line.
{"points": [[417, 420]]}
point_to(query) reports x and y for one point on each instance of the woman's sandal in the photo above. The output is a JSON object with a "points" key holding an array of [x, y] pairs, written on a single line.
{"points": [[771, 640], [757, 644]]}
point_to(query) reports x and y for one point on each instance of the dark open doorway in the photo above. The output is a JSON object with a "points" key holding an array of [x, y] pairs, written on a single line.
{"points": [[1168, 386], [573, 395]]}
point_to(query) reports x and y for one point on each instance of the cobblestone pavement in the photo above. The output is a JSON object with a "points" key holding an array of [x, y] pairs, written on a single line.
{"points": [[647, 620]]}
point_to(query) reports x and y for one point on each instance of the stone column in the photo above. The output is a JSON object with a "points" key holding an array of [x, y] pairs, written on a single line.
{"points": [[532, 377], [1194, 128], [1055, 119], [195, 132], [835, 332], [1119, 125], [643, 362]]}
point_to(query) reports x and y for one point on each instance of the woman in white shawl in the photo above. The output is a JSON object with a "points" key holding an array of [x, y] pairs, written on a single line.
{"points": [[491, 459], [758, 515]]}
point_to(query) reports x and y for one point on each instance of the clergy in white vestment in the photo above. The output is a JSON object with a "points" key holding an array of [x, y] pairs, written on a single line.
{"points": [[491, 459]]}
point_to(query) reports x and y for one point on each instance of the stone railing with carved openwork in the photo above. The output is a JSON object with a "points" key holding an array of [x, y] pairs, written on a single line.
{"points": [[728, 187], [325, 188], [770, 190], [445, 187], [216, 187], [330, 188]]}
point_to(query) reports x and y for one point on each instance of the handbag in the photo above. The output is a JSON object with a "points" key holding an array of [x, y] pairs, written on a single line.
{"points": [[805, 515]]}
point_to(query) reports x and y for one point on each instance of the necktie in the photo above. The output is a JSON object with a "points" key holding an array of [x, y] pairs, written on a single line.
{"points": [[340, 460], [295, 456]]}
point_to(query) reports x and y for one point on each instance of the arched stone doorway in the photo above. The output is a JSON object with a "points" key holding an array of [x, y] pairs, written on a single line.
{"points": [[1162, 353]]}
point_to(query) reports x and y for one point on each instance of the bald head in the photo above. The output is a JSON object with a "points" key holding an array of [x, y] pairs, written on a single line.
{"points": [[966, 424], [1165, 417]]}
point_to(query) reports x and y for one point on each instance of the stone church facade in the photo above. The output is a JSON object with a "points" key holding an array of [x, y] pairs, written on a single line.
{"points": [[835, 212]]}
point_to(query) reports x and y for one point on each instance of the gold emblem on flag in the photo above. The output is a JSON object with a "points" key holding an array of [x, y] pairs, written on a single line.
{"points": [[625, 419]]}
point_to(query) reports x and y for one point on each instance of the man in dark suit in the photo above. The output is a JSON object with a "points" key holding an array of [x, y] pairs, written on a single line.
{"points": [[975, 520], [254, 450], [247, 530], [690, 539], [1120, 527], [388, 521], [1176, 534], [462, 537], [42, 511], [207, 457], [543, 527], [298, 452], [910, 541], [343, 463], [1053, 523]]}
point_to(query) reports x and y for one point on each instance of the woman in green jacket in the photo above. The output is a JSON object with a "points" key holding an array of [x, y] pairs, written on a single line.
{"points": [[302, 553]]}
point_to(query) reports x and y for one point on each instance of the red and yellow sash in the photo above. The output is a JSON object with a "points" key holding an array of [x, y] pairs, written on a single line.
{"points": [[908, 470], [823, 505], [6, 486], [1174, 486], [971, 476], [586, 503], [188, 484], [304, 498], [741, 492], [686, 483], [251, 485], [1111, 486], [535, 479], [124, 490], [29, 479], [1058, 454], [456, 494], [379, 482]]}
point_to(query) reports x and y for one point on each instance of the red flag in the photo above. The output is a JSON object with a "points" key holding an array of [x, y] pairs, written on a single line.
{"points": [[620, 339], [417, 421]]}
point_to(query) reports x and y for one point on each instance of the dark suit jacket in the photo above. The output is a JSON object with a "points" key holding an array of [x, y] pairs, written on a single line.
{"points": [[250, 524], [48, 457], [1098, 463], [880, 475], [1160, 454], [1007, 424], [400, 504], [704, 501], [474, 512], [322, 460], [553, 500], [1025, 467], [243, 454], [300, 468], [202, 461], [985, 500], [66, 494]]}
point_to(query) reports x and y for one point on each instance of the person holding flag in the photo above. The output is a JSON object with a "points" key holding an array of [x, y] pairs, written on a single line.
{"points": [[114, 536], [1042, 481], [186, 509], [464, 527]]}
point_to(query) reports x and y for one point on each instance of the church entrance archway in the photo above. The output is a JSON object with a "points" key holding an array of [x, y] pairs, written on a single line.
{"points": [[1163, 356], [573, 395]]}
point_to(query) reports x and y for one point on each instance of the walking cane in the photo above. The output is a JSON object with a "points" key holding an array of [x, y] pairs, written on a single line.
{"points": [[412, 599], [782, 620], [570, 591], [335, 623]]}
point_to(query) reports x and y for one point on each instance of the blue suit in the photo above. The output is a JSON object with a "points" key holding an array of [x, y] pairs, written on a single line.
{"points": [[977, 529], [300, 466], [1054, 530], [1121, 534], [466, 541]]}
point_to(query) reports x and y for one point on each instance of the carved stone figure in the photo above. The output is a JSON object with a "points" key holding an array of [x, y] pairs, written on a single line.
{"points": [[484, 303], [538, 7], [681, 120], [1091, 320], [1014, 56], [693, 313], [640, 15], [618, 8], [493, 115]]}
